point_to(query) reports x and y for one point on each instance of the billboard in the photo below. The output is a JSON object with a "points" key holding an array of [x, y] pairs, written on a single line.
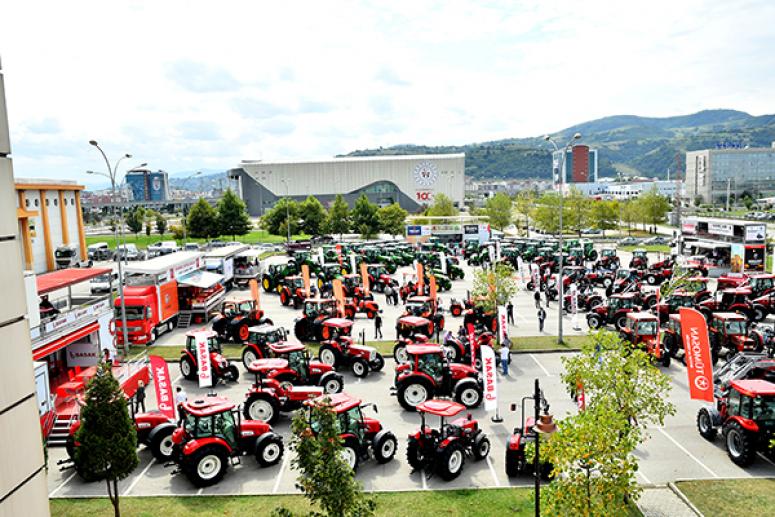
{"points": [[737, 258], [754, 258]]}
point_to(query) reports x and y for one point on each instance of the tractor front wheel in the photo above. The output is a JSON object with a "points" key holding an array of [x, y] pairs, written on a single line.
{"points": [[378, 363], [248, 356], [350, 453], [705, 425], [594, 321], [469, 394], [206, 466], [187, 368], [231, 374], [415, 455], [399, 354], [451, 461], [269, 450], [740, 444], [385, 447], [481, 447], [161, 444], [329, 355], [262, 407], [333, 384], [360, 367]]}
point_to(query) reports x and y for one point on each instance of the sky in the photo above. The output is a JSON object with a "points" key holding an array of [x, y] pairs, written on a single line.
{"points": [[189, 85]]}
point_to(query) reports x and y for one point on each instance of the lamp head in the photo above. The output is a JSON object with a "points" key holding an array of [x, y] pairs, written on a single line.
{"points": [[577, 136], [93, 142], [547, 137], [127, 155], [90, 172]]}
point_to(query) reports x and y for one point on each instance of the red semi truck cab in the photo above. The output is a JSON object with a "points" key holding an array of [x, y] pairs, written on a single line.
{"points": [[150, 311]]}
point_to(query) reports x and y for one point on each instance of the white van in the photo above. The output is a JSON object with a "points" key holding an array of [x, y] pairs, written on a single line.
{"points": [[104, 283]]}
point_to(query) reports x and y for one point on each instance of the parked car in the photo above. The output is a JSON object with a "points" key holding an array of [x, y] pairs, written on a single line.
{"points": [[656, 240], [191, 246], [67, 256], [628, 241], [591, 231], [99, 251], [163, 248], [128, 252], [103, 283]]}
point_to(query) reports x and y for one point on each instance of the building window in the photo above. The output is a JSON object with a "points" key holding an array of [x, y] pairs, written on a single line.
{"points": [[36, 203], [56, 202], [47, 202], [27, 202], [72, 201]]}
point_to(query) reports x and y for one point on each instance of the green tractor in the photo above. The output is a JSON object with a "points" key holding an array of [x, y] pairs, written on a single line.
{"points": [[327, 272], [443, 282], [374, 255], [274, 274]]}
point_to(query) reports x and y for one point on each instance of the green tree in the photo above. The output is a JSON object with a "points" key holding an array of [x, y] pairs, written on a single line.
{"points": [[233, 216], [135, 219], [442, 206], [107, 439], [338, 221], [324, 477], [313, 216], [629, 214], [364, 217], [494, 286], [576, 211], [274, 221], [148, 229], [604, 215], [546, 213], [392, 219], [202, 220], [653, 207], [161, 224], [524, 204], [498, 209]]}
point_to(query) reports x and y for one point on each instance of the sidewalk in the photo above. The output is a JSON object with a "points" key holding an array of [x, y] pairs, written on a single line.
{"points": [[663, 502]]}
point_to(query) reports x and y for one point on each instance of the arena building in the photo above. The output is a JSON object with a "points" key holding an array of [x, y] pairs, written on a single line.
{"points": [[412, 181]]}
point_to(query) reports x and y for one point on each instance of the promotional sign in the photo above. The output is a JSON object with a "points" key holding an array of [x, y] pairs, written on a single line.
{"points": [[536, 277], [689, 226], [489, 367], [755, 232], [414, 230], [305, 278], [472, 341], [255, 293], [353, 269], [754, 258], [161, 381], [699, 365], [491, 254], [737, 258], [574, 305], [339, 253], [420, 279], [443, 261], [502, 324], [432, 282], [721, 229], [84, 352], [497, 251], [321, 257], [581, 398], [203, 358], [365, 278], [338, 295]]}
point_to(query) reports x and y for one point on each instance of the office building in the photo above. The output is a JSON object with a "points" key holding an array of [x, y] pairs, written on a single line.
{"points": [[147, 185], [714, 174]]}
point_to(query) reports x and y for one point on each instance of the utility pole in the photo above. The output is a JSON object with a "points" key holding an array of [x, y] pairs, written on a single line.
{"points": [[729, 188]]}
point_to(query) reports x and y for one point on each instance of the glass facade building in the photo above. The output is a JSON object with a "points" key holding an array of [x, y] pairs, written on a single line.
{"points": [[713, 173]]}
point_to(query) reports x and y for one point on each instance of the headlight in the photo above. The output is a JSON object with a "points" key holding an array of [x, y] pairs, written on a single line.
{"points": [[372, 355]]}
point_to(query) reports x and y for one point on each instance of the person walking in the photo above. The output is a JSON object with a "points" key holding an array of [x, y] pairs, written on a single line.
{"points": [[378, 326], [388, 295], [395, 296], [510, 313], [541, 318], [547, 295], [505, 355], [140, 397], [537, 298], [180, 398]]}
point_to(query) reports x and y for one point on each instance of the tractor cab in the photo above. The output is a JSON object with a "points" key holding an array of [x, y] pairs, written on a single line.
{"points": [[239, 307], [316, 307], [213, 344], [729, 299], [640, 253], [350, 419], [762, 284], [377, 270], [336, 328], [410, 327], [293, 282], [621, 301], [608, 253], [423, 306], [641, 329], [670, 304], [756, 402], [264, 335], [730, 324], [209, 417]]}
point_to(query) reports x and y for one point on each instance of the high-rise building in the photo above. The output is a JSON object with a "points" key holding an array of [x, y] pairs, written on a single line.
{"points": [[23, 488], [147, 185], [714, 174], [580, 160]]}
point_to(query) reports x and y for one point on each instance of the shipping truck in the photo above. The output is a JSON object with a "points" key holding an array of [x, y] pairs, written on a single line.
{"points": [[221, 261]]}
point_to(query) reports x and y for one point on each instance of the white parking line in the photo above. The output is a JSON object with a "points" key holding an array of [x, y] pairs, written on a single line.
{"points": [[540, 365], [199, 492], [492, 470], [66, 481], [692, 456], [520, 316], [765, 458], [177, 379], [424, 482], [280, 475], [126, 492], [645, 479]]}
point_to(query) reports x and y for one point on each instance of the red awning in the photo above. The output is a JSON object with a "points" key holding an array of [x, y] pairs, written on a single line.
{"points": [[63, 341], [67, 277]]}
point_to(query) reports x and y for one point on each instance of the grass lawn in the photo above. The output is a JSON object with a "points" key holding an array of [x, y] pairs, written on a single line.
{"points": [[731, 496], [662, 248], [452, 503], [527, 344], [142, 240]]}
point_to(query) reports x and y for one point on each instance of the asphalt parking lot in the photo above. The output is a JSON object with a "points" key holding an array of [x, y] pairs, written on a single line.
{"points": [[675, 451]]}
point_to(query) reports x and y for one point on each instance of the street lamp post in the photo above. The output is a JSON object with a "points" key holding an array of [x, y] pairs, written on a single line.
{"points": [[112, 176], [185, 223], [561, 179], [287, 211]]}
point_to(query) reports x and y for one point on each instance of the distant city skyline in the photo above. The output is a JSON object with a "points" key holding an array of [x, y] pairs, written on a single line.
{"points": [[187, 85]]}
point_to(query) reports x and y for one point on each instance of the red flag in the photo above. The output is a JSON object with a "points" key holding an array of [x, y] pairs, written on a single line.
{"points": [[305, 278], [420, 280], [581, 398], [339, 253], [699, 365], [339, 296], [472, 343], [163, 385], [365, 277], [432, 282], [255, 293]]}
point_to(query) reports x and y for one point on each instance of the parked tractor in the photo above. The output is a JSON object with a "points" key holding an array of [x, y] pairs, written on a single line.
{"points": [[275, 273], [267, 399], [309, 327], [428, 373], [259, 340], [379, 277], [236, 317], [482, 320], [641, 330], [640, 259], [745, 413], [698, 265], [340, 350], [659, 271], [292, 292], [608, 259], [763, 306], [410, 330], [670, 304], [362, 437], [460, 349], [327, 273], [220, 367], [731, 331], [625, 281], [213, 435], [671, 335], [292, 364], [614, 312], [759, 284], [728, 300], [425, 307], [444, 450]]}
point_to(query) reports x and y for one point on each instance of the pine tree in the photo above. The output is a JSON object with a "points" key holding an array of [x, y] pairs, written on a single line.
{"points": [[107, 440], [338, 217], [202, 220], [233, 216]]}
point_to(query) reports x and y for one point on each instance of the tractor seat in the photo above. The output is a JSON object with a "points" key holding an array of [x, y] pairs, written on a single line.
{"points": [[453, 430]]}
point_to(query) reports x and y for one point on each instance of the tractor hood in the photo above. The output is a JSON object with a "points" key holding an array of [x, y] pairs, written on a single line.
{"points": [[255, 428], [316, 367], [366, 352], [741, 341], [150, 420], [267, 365], [462, 370], [218, 359]]}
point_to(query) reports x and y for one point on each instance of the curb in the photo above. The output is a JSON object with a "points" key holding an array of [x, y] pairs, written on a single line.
{"points": [[682, 497]]}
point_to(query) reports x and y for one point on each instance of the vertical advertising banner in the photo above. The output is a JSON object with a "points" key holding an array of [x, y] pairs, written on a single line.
{"points": [[502, 324], [497, 251], [581, 397], [305, 277], [737, 258], [699, 364], [339, 253], [432, 282], [420, 279], [353, 269], [491, 254], [321, 257], [472, 343], [339, 295], [365, 278], [161, 381], [536, 277], [203, 360], [255, 293], [489, 367], [443, 261]]}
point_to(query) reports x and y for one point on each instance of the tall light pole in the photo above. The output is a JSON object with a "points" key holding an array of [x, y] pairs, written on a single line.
{"points": [[185, 223], [287, 210], [112, 176], [561, 180]]}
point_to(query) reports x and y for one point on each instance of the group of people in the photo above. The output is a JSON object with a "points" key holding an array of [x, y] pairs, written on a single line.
{"points": [[391, 295]]}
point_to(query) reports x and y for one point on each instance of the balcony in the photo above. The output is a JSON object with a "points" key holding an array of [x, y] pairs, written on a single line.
{"points": [[69, 315]]}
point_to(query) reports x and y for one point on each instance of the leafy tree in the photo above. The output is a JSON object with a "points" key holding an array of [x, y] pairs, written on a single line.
{"points": [[494, 286], [629, 211], [313, 216], [604, 215], [523, 204], [135, 219], [148, 229], [202, 220], [177, 232], [498, 209], [233, 216], [364, 217], [653, 207], [161, 224], [107, 439], [442, 206], [324, 476], [338, 217], [576, 211], [392, 219], [274, 221], [546, 213]]}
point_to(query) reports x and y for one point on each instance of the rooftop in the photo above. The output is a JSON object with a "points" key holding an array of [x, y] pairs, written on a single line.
{"points": [[357, 159]]}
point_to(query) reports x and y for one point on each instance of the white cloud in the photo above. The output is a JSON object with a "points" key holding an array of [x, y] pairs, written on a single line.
{"points": [[187, 84]]}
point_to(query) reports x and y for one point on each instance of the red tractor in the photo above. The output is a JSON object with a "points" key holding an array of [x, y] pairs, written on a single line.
{"points": [[367, 306], [267, 398], [626, 281], [482, 320], [291, 291], [614, 312], [379, 277], [731, 331], [410, 330], [698, 286], [517, 460], [235, 317], [444, 450], [352, 285], [660, 271], [698, 265], [608, 259], [362, 437], [220, 366], [670, 304], [640, 259], [601, 277], [460, 349], [728, 300], [759, 284], [640, 330], [309, 327], [745, 412], [425, 307], [428, 373], [213, 435], [763, 306], [585, 300], [291, 364], [340, 350], [259, 340]]}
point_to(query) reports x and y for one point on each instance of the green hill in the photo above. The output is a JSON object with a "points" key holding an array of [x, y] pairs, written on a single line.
{"points": [[626, 143]]}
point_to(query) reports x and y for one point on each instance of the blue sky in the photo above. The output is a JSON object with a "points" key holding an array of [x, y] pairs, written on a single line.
{"points": [[188, 85]]}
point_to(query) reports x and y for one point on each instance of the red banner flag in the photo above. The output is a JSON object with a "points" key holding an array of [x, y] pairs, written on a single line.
{"points": [[581, 398], [255, 293], [420, 280], [163, 385], [699, 365], [305, 278], [365, 277], [339, 295], [432, 282], [339, 253], [472, 343]]}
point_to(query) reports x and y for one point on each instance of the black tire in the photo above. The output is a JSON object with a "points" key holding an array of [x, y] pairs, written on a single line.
{"points": [[161, 443], [415, 389], [360, 367], [481, 447], [665, 359], [651, 280], [592, 255], [332, 383], [385, 446], [378, 363], [187, 368], [607, 283], [514, 462], [468, 393], [329, 355], [415, 455], [705, 425], [350, 453], [267, 284], [670, 345], [399, 353], [206, 466], [232, 373], [620, 322], [451, 460], [594, 321], [452, 352], [301, 329], [269, 450], [740, 444], [261, 406], [248, 356], [759, 312]]}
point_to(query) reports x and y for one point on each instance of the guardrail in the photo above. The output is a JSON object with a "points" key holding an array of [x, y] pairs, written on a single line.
{"points": [[70, 320]]}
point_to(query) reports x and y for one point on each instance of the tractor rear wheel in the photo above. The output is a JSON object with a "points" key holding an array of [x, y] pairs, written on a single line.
{"points": [[231, 373], [399, 354], [481, 447], [161, 444], [452, 352], [332, 384], [705, 424], [740, 444], [206, 466], [385, 446], [451, 461], [241, 332], [350, 453], [269, 450], [187, 368], [262, 406], [378, 363], [360, 367], [620, 322], [329, 355], [469, 394], [594, 321], [413, 392], [248, 356], [415, 454]]}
